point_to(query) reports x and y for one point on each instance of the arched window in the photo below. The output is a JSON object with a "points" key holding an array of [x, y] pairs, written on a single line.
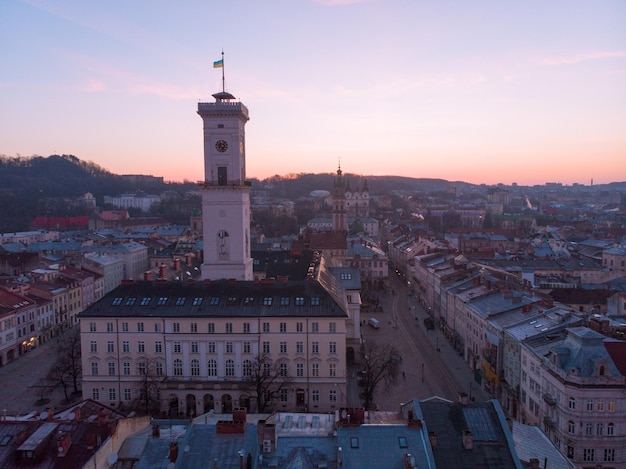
{"points": [[247, 368], [571, 427], [230, 367], [610, 429], [178, 367], [601, 370], [212, 368], [195, 367]]}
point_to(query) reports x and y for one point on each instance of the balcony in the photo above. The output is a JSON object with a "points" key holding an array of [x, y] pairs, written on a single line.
{"points": [[550, 399]]}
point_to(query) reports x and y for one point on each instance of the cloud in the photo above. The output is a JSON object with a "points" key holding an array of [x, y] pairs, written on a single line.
{"points": [[584, 57]]}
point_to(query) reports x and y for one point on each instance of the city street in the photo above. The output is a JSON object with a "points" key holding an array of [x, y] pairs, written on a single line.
{"points": [[430, 365], [18, 380]]}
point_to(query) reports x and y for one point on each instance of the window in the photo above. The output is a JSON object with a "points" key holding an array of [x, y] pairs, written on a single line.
{"points": [[315, 395], [210, 347], [266, 327], [609, 454], [176, 327], [284, 301], [195, 367], [92, 327], [127, 394], [247, 368], [402, 442], [229, 347], [315, 347], [315, 301], [94, 368], [93, 346], [299, 327], [111, 368], [332, 395], [332, 327], [589, 405], [599, 429], [117, 301], [110, 346], [214, 301], [180, 301], [266, 347], [315, 327], [177, 346], [332, 370], [266, 369], [131, 301], [246, 328], [589, 429], [354, 442], [194, 327], [140, 327], [178, 367], [283, 347], [300, 347], [283, 327], [126, 346], [194, 347], [588, 454], [158, 368], [571, 427], [109, 327], [600, 406], [247, 347], [572, 403], [197, 301], [142, 368], [141, 347], [315, 370], [248, 301], [145, 301], [283, 369], [124, 327], [610, 429], [212, 367], [112, 394], [332, 348], [299, 370], [610, 406], [267, 301], [283, 395], [299, 301], [126, 368], [95, 394], [162, 301], [229, 327], [211, 328], [158, 347]]}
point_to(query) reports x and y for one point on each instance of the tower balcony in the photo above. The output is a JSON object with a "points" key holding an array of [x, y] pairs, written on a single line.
{"points": [[232, 184]]}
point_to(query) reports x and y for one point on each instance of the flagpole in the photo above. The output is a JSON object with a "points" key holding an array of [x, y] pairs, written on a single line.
{"points": [[223, 80]]}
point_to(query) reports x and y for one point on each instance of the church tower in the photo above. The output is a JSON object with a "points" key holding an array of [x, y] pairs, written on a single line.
{"points": [[340, 212], [225, 191]]}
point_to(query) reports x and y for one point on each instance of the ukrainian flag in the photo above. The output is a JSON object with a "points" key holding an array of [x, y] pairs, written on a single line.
{"points": [[218, 64]]}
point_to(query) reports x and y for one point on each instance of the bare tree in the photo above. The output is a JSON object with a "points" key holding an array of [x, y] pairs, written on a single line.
{"points": [[149, 390], [267, 379], [66, 371], [381, 365]]}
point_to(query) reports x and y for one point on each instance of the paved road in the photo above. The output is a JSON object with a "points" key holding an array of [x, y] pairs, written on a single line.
{"points": [[18, 394], [430, 364]]}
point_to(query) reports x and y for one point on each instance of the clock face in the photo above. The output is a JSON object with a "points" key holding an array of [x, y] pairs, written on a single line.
{"points": [[221, 146]]}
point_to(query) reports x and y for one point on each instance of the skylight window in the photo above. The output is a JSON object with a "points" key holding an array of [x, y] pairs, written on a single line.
{"points": [[162, 300], [402, 442], [267, 301], [354, 442], [131, 301], [145, 301], [180, 301], [117, 301], [231, 301], [315, 301], [345, 276], [214, 301], [197, 301], [299, 301], [284, 301], [249, 300]]}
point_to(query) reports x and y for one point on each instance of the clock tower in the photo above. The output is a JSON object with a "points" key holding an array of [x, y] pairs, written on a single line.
{"points": [[225, 191]]}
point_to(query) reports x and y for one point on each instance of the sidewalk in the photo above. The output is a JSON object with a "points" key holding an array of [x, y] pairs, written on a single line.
{"points": [[18, 394]]}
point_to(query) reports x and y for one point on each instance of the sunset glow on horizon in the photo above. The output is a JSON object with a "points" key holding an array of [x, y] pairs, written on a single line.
{"points": [[480, 92]]}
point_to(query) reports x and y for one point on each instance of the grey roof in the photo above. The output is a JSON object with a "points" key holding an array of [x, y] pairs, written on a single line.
{"points": [[532, 443], [218, 299], [302, 453], [492, 441]]}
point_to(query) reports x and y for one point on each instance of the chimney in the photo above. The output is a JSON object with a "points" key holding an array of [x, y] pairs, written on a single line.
{"points": [[188, 259], [156, 431], [162, 270], [173, 452], [533, 463], [147, 275], [432, 437], [50, 411], [177, 264], [240, 414], [468, 440]]}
